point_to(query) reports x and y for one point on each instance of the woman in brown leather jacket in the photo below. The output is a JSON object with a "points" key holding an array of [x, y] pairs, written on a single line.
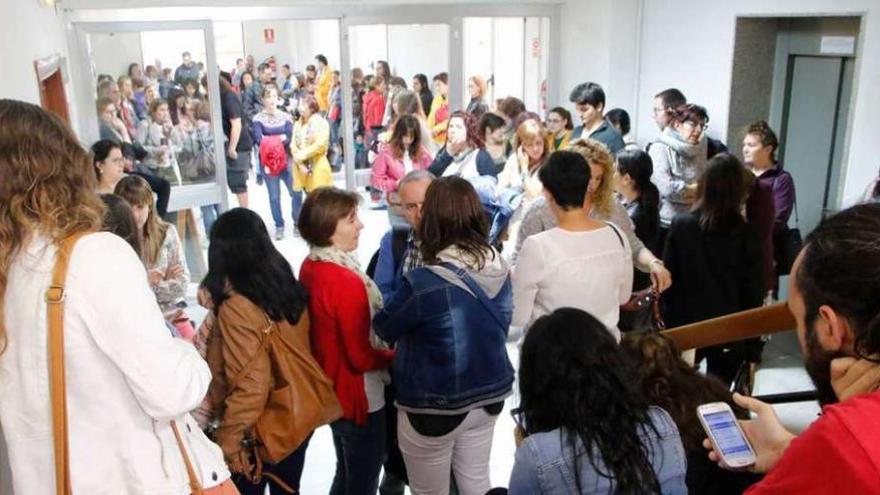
{"points": [[253, 291]]}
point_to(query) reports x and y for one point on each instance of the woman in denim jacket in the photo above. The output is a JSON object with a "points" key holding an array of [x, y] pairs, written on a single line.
{"points": [[588, 428], [449, 321]]}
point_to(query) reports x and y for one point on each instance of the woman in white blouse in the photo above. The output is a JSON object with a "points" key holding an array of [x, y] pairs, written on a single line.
{"points": [[126, 377], [581, 263]]}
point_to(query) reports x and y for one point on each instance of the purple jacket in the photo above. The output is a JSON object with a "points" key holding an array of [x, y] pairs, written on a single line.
{"points": [[784, 198]]}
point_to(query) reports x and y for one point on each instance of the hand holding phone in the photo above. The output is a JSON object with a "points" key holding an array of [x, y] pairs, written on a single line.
{"points": [[765, 435], [727, 437]]}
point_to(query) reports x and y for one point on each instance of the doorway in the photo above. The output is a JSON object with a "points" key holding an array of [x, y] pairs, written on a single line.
{"points": [[797, 74], [52, 94], [818, 90]]}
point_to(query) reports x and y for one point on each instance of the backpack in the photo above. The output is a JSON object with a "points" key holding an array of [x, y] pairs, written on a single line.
{"points": [[398, 250], [273, 155]]}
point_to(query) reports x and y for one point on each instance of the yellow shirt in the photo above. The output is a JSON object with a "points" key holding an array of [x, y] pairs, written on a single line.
{"points": [[563, 144], [309, 146], [322, 92]]}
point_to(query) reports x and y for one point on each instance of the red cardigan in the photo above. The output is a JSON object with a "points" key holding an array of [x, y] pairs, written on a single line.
{"points": [[340, 332], [374, 109]]}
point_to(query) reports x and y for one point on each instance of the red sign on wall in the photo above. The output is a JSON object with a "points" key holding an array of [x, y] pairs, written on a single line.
{"points": [[269, 35]]}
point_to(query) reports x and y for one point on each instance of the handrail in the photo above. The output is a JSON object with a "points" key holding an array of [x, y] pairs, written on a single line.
{"points": [[733, 327]]}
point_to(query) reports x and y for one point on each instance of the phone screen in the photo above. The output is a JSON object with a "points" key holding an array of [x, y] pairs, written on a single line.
{"points": [[727, 435]]}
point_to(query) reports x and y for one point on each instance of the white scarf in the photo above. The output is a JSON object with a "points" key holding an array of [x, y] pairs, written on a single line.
{"points": [[332, 254]]}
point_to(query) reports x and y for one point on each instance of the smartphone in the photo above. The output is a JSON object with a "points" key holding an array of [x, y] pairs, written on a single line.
{"points": [[727, 437]]}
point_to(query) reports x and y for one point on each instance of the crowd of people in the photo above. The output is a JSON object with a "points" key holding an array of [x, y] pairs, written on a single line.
{"points": [[504, 226]]}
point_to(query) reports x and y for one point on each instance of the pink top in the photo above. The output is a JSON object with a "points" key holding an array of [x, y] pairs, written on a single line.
{"points": [[388, 169]]}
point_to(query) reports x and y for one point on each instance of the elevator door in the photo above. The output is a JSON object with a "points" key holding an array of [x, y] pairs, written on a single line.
{"points": [[814, 123]]}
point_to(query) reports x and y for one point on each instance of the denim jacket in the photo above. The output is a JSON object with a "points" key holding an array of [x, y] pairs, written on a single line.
{"points": [[451, 350], [544, 463]]}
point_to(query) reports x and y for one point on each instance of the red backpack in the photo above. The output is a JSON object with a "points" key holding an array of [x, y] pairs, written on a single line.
{"points": [[273, 156]]}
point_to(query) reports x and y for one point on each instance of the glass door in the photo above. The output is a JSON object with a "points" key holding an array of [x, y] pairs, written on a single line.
{"points": [[154, 87], [393, 66]]}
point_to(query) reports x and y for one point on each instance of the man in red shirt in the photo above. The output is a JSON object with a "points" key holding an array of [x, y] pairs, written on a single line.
{"points": [[835, 298]]}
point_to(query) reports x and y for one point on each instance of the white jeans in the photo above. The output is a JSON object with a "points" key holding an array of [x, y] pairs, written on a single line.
{"points": [[465, 450]]}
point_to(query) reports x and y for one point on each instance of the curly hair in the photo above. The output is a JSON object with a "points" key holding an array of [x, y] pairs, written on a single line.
{"points": [[597, 153], [48, 184], [574, 377], [474, 139], [674, 385]]}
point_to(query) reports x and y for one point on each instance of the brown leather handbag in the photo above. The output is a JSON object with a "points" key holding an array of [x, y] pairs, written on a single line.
{"points": [[55, 314], [301, 400], [642, 312]]}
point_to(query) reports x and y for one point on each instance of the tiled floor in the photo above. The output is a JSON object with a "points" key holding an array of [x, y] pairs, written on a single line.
{"points": [[781, 371]]}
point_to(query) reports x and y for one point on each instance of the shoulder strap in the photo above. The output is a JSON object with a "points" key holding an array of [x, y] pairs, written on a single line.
{"points": [[617, 233], [55, 296], [478, 292], [398, 246], [194, 485]]}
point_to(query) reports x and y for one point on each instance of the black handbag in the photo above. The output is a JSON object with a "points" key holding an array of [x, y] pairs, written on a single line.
{"points": [[787, 245], [642, 312]]}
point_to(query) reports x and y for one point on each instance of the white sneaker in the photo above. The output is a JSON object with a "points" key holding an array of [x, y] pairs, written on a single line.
{"points": [[279, 233]]}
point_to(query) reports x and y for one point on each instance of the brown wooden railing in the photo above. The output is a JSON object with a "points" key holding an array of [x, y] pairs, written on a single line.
{"points": [[740, 326], [733, 327]]}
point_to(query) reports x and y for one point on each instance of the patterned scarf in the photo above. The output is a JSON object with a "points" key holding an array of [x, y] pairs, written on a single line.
{"points": [[332, 254]]}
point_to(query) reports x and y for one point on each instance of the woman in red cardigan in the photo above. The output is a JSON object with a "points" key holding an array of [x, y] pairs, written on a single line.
{"points": [[342, 300]]}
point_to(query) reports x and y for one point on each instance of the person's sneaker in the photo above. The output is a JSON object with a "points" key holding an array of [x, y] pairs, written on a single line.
{"points": [[279, 233]]}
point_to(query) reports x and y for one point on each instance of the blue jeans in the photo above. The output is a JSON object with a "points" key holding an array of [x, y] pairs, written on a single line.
{"points": [[273, 185], [360, 452], [209, 216]]}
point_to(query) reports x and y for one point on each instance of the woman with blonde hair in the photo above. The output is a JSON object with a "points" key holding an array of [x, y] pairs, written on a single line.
{"points": [[539, 217], [162, 252], [477, 89], [518, 183], [121, 439]]}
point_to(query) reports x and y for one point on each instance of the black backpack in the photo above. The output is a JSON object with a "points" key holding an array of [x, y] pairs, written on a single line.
{"points": [[398, 249]]}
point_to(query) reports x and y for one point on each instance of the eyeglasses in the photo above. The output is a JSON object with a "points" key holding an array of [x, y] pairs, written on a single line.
{"points": [[658, 111], [554, 121], [702, 126]]}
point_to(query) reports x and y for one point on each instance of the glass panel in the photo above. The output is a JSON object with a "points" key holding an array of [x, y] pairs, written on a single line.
{"points": [[149, 95], [290, 48], [511, 53], [408, 50]]}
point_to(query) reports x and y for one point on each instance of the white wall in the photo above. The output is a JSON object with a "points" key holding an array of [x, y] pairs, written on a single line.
{"points": [[296, 42], [698, 60], [29, 32], [599, 43], [418, 48], [113, 52]]}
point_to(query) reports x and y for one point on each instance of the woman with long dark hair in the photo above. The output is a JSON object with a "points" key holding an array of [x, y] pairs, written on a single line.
{"points": [[423, 89], [668, 381], [403, 153], [641, 200], [582, 412], [449, 323], [715, 243], [253, 290]]}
